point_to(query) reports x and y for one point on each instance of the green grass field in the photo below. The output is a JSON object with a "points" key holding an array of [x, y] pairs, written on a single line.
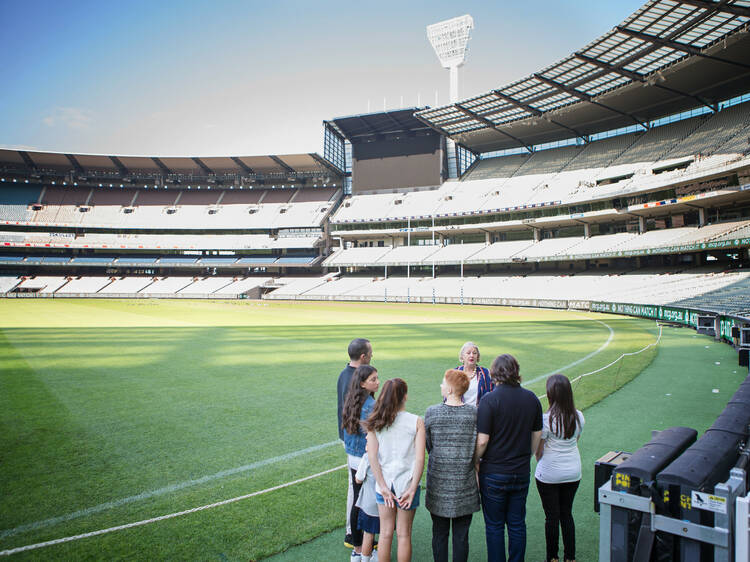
{"points": [[113, 412]]}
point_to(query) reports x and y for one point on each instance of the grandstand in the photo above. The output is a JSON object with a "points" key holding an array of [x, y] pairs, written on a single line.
{"points": [[609, 175]]}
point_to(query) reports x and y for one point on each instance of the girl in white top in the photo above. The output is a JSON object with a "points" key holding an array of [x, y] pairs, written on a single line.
{"points": [[395, 448], [558, 470]]}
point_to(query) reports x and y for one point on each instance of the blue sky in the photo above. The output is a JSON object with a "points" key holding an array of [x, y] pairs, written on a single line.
{"points": [[244, 77]]}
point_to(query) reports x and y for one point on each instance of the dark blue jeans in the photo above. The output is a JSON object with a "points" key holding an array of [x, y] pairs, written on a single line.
{"points": [[504, 503]]}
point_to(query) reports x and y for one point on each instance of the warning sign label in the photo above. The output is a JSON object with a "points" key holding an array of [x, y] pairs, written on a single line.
{"points": [[709, 502]]}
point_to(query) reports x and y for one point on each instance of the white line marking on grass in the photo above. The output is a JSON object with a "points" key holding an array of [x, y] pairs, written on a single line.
{"points": [[582, 359], [160, 491], [164, 517], [579, 377]]}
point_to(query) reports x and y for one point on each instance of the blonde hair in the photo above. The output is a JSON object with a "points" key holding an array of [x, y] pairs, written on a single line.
{"points": [[458, 381], [468, 345]]}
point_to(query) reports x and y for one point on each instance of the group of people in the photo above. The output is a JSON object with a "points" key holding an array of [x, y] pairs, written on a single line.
{"points": [[480, 440]]}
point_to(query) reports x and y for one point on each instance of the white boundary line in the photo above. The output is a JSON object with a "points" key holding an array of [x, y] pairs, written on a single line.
{"points": [[164, 517], [161, 491], [579, 377], [582, 359]]}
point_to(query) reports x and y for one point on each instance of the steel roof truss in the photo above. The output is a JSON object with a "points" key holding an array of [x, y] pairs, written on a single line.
{"points": [[490, 124], [587, 98], [288, 169], [677, 46], [203, 166], [722, 6], [638, 77], [245, 168]]}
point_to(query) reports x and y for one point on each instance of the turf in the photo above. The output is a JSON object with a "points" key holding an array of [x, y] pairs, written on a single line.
{"points": [[117, 411], [688, 384]]}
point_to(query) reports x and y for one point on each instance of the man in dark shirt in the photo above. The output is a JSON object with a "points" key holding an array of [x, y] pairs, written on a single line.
{"points": [[509, 429], [360, 353]]}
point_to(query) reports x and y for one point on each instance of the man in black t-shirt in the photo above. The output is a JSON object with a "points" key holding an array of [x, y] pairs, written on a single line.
{"points": [[509, 429], [360, 353]]}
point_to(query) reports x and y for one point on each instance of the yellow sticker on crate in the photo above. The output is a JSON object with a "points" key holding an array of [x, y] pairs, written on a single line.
{"points": [[622, 480]]}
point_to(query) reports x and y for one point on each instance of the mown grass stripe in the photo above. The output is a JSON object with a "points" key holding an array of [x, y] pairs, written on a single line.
{"points": [[164, 517], [161, 491]]}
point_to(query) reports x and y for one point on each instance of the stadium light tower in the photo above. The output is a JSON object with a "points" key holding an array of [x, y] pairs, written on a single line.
{"points": [[449, 39]]}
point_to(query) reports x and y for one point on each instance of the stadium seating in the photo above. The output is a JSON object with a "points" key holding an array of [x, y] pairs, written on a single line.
{"points": [[8, 283], [167, 285], [571, 174], [127, 285], [84, 285], [166, 209]]}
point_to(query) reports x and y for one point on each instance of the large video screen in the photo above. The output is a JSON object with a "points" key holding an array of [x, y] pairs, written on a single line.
{"points": [[396, 163]]}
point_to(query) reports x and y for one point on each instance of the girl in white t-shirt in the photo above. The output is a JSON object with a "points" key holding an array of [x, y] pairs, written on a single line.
{"points": [[558, 470], [395, 449]]}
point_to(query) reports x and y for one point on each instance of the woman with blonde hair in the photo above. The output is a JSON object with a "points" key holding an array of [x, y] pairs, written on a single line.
{"points": [[480, 382], [395, 449]]}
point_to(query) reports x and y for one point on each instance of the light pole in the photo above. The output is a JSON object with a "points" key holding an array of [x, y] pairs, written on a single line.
{"points": [[449, 39]]}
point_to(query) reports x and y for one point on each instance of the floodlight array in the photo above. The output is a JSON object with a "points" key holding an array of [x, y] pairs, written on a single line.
{"points": [[449, 38]]}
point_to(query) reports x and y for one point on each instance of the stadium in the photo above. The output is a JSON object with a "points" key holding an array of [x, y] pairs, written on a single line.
{"points": [[583, 215]]}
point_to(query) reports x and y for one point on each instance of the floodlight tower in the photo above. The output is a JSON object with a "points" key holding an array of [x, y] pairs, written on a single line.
{"points": [[449, 39]]}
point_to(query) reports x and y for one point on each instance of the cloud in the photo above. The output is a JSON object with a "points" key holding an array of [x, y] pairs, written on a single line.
{"points": [[69, 117]]}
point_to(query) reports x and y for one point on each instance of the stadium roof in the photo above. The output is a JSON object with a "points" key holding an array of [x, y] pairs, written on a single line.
{"points": [[371, 126], [269, 165], [665, 58]]}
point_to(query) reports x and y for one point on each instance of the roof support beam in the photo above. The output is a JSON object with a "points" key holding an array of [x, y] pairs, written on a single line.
{"points": [[534, 111], [677, 46], [638, 77], [162, 166], [27, 159], [326, 164], [76, 165], [203, 166], [722, 6], [120, 166], [283, 164], [587, 98], [245, 168], [490, 124]]}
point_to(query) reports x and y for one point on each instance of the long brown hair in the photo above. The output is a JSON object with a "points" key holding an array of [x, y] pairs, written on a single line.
{"points": [[389, 402], [563, 417], [356, 396]]}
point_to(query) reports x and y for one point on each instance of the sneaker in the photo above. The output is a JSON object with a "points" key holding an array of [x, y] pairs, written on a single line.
{"points": [[355, 557], [348, 541]]}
